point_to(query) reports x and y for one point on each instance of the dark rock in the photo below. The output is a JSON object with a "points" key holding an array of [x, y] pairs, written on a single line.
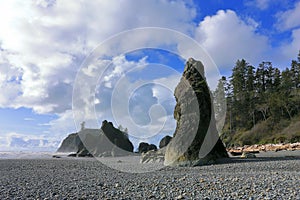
{"points": [[84, 153], [196, 126], [145, 147], [164, 141], [108, 141], [235, 153], [152, 147], [56, 156], [72, 155], [117, 137]]}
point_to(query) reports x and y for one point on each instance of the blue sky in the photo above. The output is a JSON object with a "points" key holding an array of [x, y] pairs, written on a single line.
{"points": [[44, 42]]}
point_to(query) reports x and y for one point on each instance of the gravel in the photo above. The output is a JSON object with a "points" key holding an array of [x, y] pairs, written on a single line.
{"points": [[87, 178]]}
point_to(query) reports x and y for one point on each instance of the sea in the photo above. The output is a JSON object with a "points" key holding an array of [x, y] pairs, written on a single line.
{"points": [[29, 154]]}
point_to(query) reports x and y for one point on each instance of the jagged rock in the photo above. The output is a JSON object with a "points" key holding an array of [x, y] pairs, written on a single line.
{"points": [[145, 147], [196, 126], [107, 141], [153, 156], [164, 141]]}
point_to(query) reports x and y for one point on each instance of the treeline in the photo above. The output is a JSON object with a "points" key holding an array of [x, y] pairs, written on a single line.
{"points": [[255, 95]]}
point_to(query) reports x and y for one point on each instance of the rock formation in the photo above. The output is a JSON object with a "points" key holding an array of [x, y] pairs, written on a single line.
{"points": [[196, 140], [145, 147], [164, 141], [153, 156], [70, 143], [107, 141]]}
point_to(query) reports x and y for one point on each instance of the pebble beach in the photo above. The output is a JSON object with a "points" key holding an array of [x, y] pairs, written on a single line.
{"points": [[273, 175]]}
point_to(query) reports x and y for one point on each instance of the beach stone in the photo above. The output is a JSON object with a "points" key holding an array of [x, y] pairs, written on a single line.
{"points": [[196, 124]]}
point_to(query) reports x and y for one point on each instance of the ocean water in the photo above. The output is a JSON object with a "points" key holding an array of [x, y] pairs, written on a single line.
{"points": [[27, 154]]}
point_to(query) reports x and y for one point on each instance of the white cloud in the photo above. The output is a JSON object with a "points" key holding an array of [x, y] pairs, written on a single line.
{"points": [[15, 141], [228, 38], [63, 125], [47, 40], [288, 51], [28, 119], [261, 4], [289, 19], [121, 65]]}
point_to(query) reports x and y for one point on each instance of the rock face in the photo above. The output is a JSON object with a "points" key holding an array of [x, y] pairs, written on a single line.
{"points": [[107, 141], [70, 143], [164, 141], [196, 140], [145, 147]]}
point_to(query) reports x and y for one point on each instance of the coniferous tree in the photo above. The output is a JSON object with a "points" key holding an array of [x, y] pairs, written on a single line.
{"points": [[265, 94]]}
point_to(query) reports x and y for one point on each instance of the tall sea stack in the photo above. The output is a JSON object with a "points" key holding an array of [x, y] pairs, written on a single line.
{"points": [[196, 140]]}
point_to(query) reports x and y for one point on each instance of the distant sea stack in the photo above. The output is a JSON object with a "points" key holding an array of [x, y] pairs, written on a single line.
{"points": [[107, 141], [70, 143], [195, 119]]}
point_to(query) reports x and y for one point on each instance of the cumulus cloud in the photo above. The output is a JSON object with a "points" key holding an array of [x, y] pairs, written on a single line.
{"points": [[289, 19], [45, 41], [228, 38]]}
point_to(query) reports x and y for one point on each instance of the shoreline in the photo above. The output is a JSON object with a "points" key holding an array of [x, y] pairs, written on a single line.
{"points": [[258, 149]]}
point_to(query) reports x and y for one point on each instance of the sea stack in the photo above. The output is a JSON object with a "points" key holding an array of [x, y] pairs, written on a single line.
{"points": [[196, 140]]}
